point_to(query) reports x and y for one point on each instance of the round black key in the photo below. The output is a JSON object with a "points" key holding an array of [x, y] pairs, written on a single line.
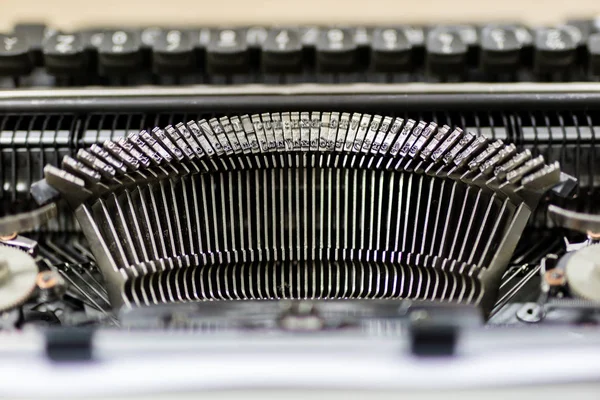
{"points": [[227, 52], [555, 50], [391, 50], [446, 53], [282, 51], [336, 50], [500, 49], [64, 54], [119, 52], [173, 52], [14, 56]]}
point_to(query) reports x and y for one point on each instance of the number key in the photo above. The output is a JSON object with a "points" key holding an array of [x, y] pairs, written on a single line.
{"points": [[227, 52], [173, 52], [446, 53], [119, 52], [391, 50], [64, 54], [470, 36], [282, 51], [500, 48], [336, 50], [555, 50]]}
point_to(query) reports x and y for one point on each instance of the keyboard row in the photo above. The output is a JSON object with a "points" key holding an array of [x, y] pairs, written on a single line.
{"points": [[500, 52]]}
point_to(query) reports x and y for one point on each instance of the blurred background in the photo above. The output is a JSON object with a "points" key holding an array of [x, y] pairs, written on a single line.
{"points": [[77, 13]]}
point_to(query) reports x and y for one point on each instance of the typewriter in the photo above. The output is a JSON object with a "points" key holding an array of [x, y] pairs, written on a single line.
{"points": [[308, 206]]}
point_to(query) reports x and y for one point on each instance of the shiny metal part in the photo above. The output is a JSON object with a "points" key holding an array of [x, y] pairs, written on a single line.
{"points": [[27, 221], [531, 313], [21, 242], [581, 222]]}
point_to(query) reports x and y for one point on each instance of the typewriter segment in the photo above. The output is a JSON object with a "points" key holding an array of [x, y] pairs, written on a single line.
{"points": [[299, 205], [246, 169]]}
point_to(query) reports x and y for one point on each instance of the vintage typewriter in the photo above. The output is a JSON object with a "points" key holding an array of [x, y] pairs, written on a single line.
{"points": [[328, 189]]}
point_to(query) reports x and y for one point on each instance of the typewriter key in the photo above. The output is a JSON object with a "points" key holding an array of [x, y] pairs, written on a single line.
{"points": [[173, 52], [64, 55], [227, 52], [500, 49], [446, 53], [119, 53], [282, 51], [555, 52], [15, 60], [336, 50]]}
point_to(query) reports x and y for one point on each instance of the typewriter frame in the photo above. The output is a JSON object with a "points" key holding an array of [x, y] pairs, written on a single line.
{"points": [[260, 98]]}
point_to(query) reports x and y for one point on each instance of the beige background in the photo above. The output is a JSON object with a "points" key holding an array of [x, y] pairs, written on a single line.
{"points": [[75, 13]]}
